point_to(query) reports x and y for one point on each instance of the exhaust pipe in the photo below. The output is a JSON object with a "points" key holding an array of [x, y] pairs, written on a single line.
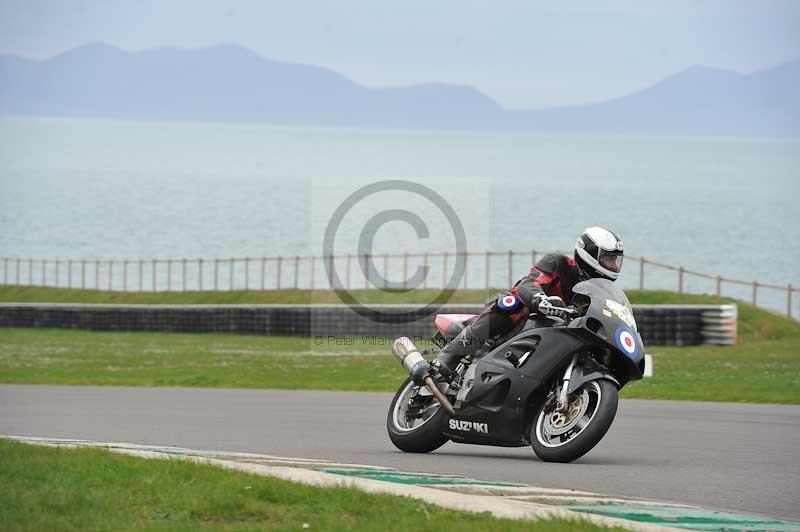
{"points": [[406, 352]]}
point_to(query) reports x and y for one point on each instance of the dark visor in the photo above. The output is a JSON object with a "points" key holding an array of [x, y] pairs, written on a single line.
{"points": [[611, 262]]}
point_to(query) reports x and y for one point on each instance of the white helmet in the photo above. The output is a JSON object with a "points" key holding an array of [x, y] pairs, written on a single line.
{"points": [[599, 253]]}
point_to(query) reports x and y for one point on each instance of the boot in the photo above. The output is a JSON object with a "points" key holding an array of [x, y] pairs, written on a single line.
{"points": [[466, 343]]}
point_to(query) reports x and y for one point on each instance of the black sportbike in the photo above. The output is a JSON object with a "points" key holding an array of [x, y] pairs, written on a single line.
{"points": [[552, 385]]}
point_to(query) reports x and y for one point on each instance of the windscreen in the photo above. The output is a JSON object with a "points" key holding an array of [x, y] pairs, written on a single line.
{"points": [[601, 289]]}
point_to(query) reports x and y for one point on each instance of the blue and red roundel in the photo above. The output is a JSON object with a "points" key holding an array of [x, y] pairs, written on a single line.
{"points": [[626, 341], [508, 303]]}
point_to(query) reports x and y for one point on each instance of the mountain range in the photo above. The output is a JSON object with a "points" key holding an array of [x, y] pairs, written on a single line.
{"points": [[230, 83]]}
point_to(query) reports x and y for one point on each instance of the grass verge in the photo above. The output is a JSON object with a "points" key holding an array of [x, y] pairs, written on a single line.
{"points": [[759, 371], [44, 488], [763, 368], [38, 294]]}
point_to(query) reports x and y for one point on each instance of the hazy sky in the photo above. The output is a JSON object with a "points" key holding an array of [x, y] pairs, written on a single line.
{"points": [[523, 53]]}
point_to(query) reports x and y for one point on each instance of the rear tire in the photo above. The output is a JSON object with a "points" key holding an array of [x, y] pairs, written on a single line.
{"points": [[415, 436], [582, 432]]}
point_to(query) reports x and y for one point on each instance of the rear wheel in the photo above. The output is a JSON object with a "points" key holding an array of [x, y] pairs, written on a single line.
{"points": [[415, 423], [568, 435]]}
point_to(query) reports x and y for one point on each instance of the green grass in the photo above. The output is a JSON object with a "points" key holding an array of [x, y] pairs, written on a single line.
{"points": [[763, 368], [759, 371], [36, 294], [44, 488], [58, 356]]}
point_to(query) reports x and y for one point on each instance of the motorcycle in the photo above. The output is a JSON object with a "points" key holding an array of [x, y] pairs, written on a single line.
{"points": [[551, 383]]}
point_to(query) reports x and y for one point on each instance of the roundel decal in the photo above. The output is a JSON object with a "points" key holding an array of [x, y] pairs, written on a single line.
{"points": [[508, 302], [626, 341]]}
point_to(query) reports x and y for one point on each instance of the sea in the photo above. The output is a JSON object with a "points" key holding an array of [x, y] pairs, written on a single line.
{"points": [[108, 189]]}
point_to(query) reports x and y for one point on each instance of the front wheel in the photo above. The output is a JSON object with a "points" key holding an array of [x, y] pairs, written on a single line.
{"points": [[415, 423], [568, 435]]}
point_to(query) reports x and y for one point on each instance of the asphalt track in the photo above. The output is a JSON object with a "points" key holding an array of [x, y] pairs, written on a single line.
{"points": [[726, 456]]}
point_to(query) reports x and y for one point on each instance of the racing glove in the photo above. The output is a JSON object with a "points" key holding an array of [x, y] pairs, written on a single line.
{"points": [[544, 306]]}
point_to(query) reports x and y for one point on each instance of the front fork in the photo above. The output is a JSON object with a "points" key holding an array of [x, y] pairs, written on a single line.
{"points": [[561, 402]]}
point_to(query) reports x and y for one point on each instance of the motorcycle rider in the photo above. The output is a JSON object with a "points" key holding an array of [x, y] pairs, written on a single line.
{"points": [[598, 253]]}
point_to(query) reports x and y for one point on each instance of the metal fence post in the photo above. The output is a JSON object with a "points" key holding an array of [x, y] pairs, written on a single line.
{"points": [[755, 291], [641, 273], [141, 275], [110, 275], [231, 268], [280, 267], [263, 272], [183, 275], [311, 272], [386, 270], [330, 270], [789, 301], [200, 274], [5, 270], [44, 272], [365, 269], [155, 262], [427, 270], [533, 257], [510, 268], [97, 274], [169, 275], [58, 265], [405, 270], [680, 279], [296, 271], [125, 275], [247, 273], [466, 271], [30, 272], [487, 276], [444, 270], [719, 285], [16, 272], [216, 274], [83, 274]]}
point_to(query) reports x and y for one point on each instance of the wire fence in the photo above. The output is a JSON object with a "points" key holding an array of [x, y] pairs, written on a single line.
{"points": [[481, 270]]}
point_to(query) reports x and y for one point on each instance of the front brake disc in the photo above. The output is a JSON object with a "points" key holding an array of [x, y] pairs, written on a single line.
{"points": [[557, 423]]}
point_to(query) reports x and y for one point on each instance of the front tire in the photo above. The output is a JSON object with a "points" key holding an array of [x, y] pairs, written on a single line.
{"points": [[415, 435], [564, 437]]}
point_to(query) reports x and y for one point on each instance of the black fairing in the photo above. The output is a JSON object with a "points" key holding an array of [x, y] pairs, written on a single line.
{"points": [[502, 396], [609, 315]]}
